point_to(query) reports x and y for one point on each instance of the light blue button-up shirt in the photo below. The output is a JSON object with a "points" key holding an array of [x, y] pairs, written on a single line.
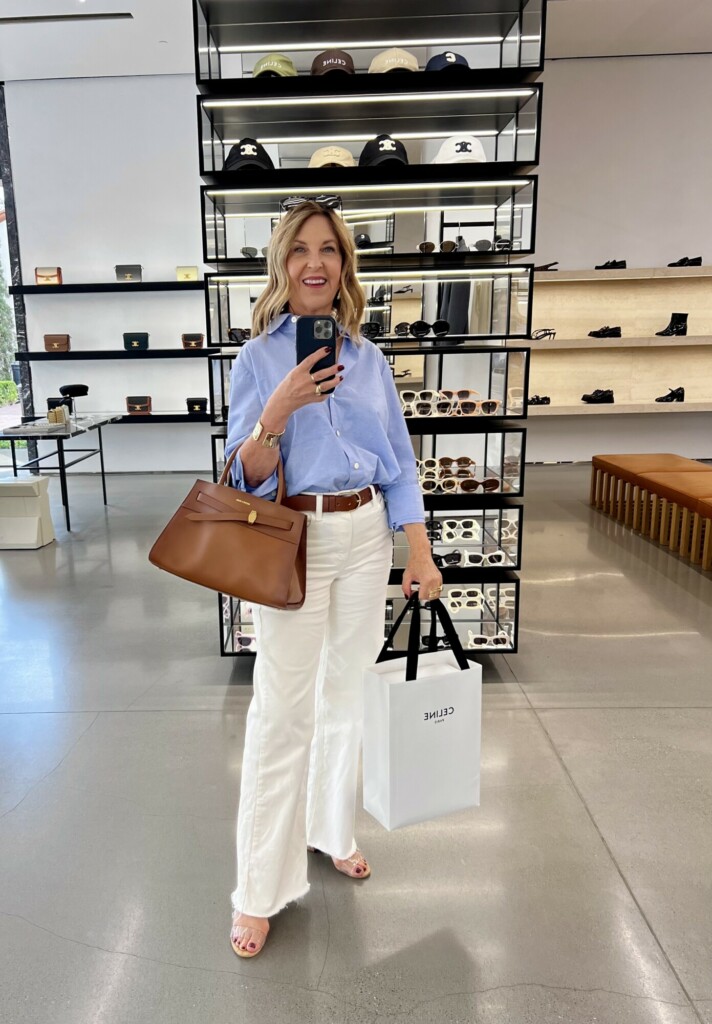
{"points": [[357, 437]]}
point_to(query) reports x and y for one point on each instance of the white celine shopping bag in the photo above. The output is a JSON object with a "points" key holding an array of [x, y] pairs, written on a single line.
{"points": [[422, 728]]}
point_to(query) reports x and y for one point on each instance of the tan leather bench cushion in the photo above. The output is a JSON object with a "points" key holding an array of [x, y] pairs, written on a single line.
{"points": [[684, 489], [629, 467]]}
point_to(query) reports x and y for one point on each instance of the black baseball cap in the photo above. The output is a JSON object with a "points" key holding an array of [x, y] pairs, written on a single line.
{"points": [[248, 153], [447, 61], [382, 150]]}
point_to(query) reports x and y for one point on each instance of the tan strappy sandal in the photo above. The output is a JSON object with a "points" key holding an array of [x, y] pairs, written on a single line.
{"points": [[236, 938], [357, 861]]}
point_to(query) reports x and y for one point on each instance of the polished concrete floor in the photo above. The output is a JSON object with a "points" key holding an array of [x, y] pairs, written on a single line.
{"points": [[580, 891]]}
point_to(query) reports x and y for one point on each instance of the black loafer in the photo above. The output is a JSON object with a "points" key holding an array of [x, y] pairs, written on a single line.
{"points": [[539, 400], [605, 332], [612, 265], [598, 397]]}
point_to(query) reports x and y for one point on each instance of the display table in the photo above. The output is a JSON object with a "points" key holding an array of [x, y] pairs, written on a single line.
{"points": [[34, 430]]}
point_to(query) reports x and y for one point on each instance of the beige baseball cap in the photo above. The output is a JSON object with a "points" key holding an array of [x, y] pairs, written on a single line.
{"points": [[275, 64], [394, 59], [332, 155]]}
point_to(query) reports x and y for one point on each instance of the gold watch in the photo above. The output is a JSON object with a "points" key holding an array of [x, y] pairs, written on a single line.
{"points": [[270, 440]]}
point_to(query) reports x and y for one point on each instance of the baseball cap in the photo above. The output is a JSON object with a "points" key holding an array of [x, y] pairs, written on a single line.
{"points": [[276, 64], [332, 156], [394, 59], [248, 153], [446, 61], [333, 60], [461, 149], [381, 150]]}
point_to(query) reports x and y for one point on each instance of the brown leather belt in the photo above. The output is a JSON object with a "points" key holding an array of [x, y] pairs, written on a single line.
{"points": [[332, 502]]}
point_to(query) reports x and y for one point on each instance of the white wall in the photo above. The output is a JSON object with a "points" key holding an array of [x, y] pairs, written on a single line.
{"points": [[626, 161], [105, 172]]}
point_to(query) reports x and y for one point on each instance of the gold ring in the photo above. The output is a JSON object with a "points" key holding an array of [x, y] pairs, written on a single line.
{"points": [[318, 389], [312, 378], [434, 593]]}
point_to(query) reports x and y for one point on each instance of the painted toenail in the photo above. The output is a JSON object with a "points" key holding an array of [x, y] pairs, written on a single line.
{"points": [[251, 945]]}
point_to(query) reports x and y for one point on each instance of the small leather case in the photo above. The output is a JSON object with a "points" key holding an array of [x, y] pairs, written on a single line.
{"points": [[48, 275], [57, 343], [54, 403], [196, 406], [138, 405], [136, 342], [192, 340], [187, 273], [128, 271]]}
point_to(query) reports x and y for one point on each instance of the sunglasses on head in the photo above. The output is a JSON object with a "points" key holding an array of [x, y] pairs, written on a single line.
{"points": [[419, 329], [446, 246], [325, 202]]}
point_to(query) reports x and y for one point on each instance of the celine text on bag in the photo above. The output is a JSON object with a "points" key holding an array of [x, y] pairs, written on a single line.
{"points": [[238, 544]]}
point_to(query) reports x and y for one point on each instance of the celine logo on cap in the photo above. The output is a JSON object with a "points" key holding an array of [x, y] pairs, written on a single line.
{"points": [[463, 147], [386, 145], [438, 716], [450, 57], [332, 60], [248, 150]]}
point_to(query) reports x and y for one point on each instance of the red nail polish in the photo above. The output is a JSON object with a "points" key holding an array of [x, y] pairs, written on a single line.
{"points": [[340, 367]]}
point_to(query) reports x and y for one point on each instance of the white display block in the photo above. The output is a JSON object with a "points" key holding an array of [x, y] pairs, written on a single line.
{"points": [[25, 520]]}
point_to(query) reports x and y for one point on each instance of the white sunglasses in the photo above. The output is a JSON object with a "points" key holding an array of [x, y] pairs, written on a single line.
{"points": [[479, 641]]}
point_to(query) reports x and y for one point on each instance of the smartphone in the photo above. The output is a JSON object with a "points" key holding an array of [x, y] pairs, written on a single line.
{"points": [[313, 333]]}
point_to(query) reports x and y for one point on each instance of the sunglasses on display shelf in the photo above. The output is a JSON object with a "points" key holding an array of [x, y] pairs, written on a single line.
{"points": [[509, 530], [420, 329], [326, 202], [504, 599], [461, 529], [441, 643], [244, 641], [457, 598], [446, 246], [371, 329], [479, 640], [250, 253], [478, 559], [446, 462], [462, 485], [466, 404], [239, 334]]}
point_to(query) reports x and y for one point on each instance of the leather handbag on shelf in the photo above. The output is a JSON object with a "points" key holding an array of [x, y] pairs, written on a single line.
{"points": [[196, 405], [138, 405], [128, 271], [48, 275], [136, 342], [187, 273], [238, 544], [57, 343], [192, 340]]}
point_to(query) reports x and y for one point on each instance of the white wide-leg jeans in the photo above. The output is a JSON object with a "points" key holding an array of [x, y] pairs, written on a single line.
{"points": [[304, 723]]}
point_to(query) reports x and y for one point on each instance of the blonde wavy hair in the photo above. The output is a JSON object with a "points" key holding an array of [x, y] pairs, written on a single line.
{"points": [[350, 300]]}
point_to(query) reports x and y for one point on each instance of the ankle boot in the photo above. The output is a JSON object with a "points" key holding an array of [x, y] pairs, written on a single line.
{"points": [[673, 395], [676, 328]]}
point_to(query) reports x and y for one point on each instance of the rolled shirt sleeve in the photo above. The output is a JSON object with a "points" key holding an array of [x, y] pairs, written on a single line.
{"points": [[404, 499], [246, 405]]}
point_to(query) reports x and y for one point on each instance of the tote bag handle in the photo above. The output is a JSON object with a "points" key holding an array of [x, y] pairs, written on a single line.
{"points": [[438, 611]]}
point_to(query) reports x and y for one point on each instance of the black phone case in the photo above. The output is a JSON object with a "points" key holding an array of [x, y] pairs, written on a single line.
{"points": [[307, 344]]}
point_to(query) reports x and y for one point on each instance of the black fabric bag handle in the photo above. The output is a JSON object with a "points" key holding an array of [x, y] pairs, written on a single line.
{"points": [[438, 611]]}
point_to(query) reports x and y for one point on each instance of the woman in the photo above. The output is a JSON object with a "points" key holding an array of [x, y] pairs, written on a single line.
{"points": [[303, 733]]}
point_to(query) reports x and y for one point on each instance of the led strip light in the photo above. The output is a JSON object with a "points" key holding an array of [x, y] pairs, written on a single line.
{"points": [[301, 101], [450, 42], [373, 276]]}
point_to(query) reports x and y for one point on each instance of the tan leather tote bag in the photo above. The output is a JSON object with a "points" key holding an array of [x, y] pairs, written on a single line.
{"points": [[232, 542]]}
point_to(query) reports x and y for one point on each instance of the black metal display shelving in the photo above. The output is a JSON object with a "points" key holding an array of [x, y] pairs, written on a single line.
{"points": [[152, 353], [496, 99], [110, 286]]}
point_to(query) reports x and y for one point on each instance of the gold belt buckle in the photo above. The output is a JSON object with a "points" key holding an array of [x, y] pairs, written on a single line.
{"points": [[358, 495]]}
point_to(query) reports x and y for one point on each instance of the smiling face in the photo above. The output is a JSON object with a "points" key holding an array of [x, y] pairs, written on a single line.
{"points": [[314, 268]]}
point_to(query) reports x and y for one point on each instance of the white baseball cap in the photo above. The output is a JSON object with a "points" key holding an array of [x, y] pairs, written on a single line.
{"points": [[332, 155], [461, 149]]}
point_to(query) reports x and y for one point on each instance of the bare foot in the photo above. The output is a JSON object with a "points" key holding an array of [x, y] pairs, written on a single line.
{"points": [[355, 866], [248, 934]]}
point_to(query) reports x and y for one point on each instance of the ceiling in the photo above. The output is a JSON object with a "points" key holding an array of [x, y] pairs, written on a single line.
{"points": [[158, 39]]}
